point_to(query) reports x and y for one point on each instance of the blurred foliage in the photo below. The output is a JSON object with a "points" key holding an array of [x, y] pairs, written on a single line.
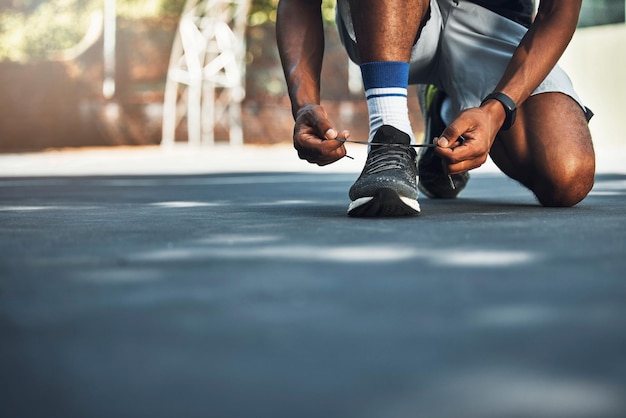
{"points": [[33, 29], [264, 11]]}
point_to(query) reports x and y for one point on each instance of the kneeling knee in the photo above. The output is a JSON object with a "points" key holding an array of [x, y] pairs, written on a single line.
{"points": [[568, 186]]}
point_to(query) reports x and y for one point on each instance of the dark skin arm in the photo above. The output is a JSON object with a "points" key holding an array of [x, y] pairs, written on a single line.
{"points": [[537, 54], [300, 37]]}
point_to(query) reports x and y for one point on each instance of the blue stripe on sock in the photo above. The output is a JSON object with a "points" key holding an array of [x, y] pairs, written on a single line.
{"points": [[385, 74], [372, 96]]}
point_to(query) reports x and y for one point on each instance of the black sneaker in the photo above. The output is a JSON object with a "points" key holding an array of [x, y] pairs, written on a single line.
{"points": [[387, 185], [433, 180]]}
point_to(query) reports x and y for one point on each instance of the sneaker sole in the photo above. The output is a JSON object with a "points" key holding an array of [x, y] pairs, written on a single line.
{"points": [[386, 202]]}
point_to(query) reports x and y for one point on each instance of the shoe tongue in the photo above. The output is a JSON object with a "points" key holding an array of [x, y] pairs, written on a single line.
{"points": [[387, 134]]}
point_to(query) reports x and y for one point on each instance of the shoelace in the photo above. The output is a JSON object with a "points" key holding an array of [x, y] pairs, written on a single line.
{"points": [[344, 140], [386, 145], [397, 157], [423, 145]]}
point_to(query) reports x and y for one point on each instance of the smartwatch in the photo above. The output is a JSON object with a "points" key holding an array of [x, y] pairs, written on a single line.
{"points": [[510, 109]]}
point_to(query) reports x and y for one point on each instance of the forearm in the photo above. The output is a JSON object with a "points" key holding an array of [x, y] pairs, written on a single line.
{"points": [[300, 38], [540, 49]]}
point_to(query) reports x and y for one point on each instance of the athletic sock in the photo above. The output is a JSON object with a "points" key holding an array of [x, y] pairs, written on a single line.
{"points": [[385, 85]]}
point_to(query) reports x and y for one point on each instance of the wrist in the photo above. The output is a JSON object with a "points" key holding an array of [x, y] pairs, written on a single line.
{"points": [[496, 111], [302, 98], [503, 106], [301, 109]]}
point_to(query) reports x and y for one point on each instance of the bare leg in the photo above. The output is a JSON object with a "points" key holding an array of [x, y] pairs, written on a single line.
{"points": [[386, 30], [549, 150]]}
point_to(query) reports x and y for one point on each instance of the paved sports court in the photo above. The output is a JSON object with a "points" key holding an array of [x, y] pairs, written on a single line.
{"points": [[231, 284]]}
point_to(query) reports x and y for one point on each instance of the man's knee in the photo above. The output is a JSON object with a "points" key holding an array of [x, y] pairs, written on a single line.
{"points": [[560, 149], [567, 184]]}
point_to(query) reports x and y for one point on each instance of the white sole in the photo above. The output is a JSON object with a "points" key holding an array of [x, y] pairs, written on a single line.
{"points": [[385, 203]]}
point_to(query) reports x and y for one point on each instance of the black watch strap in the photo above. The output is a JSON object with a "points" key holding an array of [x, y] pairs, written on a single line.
{"points": [[510, 108]]}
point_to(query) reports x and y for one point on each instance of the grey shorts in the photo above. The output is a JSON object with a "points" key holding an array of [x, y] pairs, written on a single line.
{"points": [[463, 49]]}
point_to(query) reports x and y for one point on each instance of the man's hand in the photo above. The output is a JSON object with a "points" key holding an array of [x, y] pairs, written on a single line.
{"points": [[466, 142], [300, 39], [314, 137]]}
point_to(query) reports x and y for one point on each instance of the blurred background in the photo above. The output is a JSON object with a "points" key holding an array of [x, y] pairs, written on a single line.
{"points": [[78, 73]]}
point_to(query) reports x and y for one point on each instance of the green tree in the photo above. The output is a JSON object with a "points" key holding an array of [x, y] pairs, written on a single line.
{"points": [[33, 29]]}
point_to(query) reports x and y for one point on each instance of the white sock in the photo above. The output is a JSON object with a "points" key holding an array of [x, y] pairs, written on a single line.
{"points": [[385, 86], [388, 106]]}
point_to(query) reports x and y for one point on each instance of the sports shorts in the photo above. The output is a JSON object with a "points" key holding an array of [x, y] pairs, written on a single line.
{"points": [[463, 49]]}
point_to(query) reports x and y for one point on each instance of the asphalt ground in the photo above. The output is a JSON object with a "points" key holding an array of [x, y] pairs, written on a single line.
{"points": [[232, 284]]}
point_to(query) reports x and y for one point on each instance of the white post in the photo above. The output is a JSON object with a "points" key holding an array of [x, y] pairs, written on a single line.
{"points": [[110, 13]]}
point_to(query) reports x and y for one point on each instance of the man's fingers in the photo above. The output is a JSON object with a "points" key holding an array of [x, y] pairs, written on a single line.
{"points": [[321, 151], [462, 157], [315, 137], [449, 138], [445, 142], [330, 134], [465, 143], [455, 154], [332, 151], [332, 148], [460, 166]]}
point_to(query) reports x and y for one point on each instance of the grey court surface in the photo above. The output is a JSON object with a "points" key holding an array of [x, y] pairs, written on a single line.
{"points": [[252, 294]]}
